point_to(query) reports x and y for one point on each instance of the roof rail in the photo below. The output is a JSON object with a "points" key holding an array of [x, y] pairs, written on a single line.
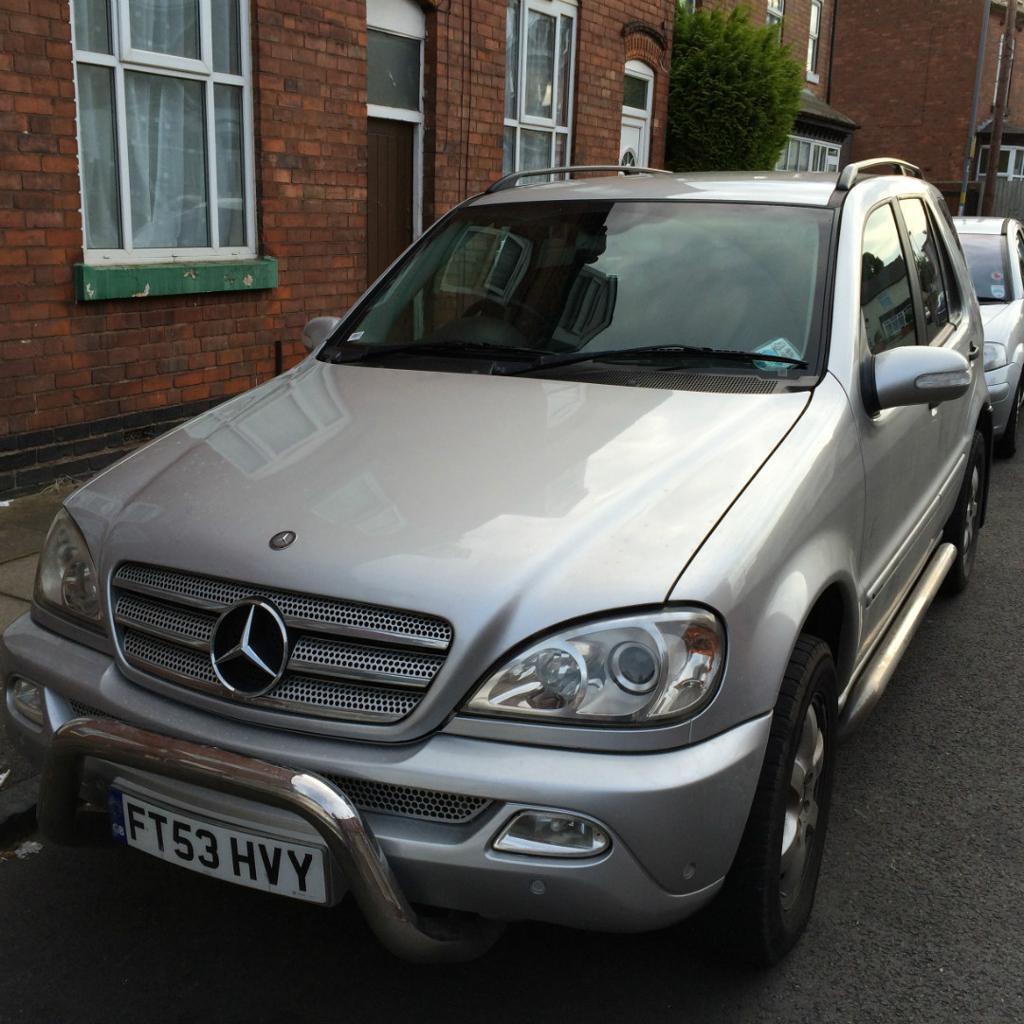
{"points": [[852, 173], [510, 179]]}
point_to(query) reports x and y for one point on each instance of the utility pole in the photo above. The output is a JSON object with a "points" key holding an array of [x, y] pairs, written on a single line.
{"points": [[988, 196], [972, 128]]}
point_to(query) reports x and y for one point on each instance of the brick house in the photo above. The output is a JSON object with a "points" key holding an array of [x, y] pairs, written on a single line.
{"points": [[906, 73], [821, 137], [183, 183]]}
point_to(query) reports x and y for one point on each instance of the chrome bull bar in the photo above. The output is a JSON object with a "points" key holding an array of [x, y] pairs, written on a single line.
{"points": [[325, 807]]}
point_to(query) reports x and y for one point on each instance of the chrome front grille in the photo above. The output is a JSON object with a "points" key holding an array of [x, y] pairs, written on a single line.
{"points": [[347, 661]]}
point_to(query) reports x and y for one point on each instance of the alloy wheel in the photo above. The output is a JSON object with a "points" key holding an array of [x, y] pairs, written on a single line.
{"points": [[802, 805]]}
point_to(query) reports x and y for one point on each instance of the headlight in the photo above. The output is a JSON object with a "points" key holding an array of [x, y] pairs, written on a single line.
{"points": [[632, 670], [995, 355], [66, 577]]}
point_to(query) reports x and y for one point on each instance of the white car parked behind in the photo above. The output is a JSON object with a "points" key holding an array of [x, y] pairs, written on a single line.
{"points": [[994, 247]]}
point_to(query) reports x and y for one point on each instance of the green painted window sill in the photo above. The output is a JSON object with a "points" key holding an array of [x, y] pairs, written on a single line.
{"points": [[141, 281]]}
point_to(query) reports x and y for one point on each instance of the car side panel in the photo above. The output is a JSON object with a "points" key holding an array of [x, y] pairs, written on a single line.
{"points": [[791, 534]]}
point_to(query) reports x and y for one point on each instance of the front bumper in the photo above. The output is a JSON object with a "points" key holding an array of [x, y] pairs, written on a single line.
{"points": [[675, 817]]}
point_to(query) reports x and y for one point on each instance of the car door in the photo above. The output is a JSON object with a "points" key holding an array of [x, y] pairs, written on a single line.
{"points": [[902, 448], [1015, 341], [946, 324]]}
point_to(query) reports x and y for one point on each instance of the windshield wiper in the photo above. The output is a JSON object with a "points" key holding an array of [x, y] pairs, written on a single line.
{"points": [[691, 351], [436, 348]]}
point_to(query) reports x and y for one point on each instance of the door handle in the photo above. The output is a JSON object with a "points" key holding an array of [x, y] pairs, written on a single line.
{"points": [[973, 352]]}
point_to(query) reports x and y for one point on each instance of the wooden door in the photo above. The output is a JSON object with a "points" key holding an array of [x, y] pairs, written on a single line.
{"points": [[389, 188]]}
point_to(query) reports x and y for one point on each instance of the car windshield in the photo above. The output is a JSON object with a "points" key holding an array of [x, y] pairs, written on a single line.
{"points": [[988, 268], [540, 281]]}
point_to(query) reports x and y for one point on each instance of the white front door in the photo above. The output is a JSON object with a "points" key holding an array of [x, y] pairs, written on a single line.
{"points": [[637, 101]]}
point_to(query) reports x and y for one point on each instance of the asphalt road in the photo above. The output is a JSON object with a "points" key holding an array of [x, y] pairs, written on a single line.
{"points": [[919, 912]]}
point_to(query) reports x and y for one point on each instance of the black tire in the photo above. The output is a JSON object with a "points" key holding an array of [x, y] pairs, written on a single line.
{"points": [[1006, 446], [760, 913], [962, 529]]}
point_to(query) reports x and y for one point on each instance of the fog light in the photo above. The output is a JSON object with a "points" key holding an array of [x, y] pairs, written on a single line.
{"points": [[546, 834], [28, 700]]}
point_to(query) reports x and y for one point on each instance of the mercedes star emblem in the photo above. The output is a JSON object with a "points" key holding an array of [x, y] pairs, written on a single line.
{"points": [[249, 647], [282, 539]]}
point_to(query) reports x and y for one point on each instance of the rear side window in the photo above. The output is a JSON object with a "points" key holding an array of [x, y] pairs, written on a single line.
{"points": [[929, 266], [886, 304]]}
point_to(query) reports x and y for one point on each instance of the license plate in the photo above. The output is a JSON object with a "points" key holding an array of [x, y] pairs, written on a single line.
{"points": [[245, 858]]}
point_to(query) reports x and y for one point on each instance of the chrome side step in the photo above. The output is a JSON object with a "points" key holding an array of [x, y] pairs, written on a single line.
{"points": [[874, 678]]}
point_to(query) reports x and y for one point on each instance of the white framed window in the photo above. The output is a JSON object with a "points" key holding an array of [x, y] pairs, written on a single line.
{"points": [[165, 141], [803, 154], [539, 80], [776, 12], [1011, 162], [813, 40]]}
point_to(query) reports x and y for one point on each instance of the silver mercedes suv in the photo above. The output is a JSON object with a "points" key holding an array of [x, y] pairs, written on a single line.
{"points": [[545, 586]]}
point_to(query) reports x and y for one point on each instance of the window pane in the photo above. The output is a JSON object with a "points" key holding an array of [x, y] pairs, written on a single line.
{"points": [[804, 160], [926, 256], [230, 165], [815, 19], [535, 150], [393, 77], [1004, 160], [560, 160], [512, 60], [92, 25], [983, 161], [885, 301], [165, 26], [540, 64], [508, 159], [564, 67], [166, 161], [227, 54], [635, 92], [99, 165]]}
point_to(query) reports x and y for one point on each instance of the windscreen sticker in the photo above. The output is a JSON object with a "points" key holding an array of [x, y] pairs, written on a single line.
{"points": [[998, 291], [777, 347], [356, 335]]}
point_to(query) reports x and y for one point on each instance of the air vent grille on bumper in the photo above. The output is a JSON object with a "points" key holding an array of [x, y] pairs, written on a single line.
{"points": [[346, 661]]}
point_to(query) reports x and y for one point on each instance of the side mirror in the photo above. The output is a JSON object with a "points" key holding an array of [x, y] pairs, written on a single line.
{"points": [[318, 330], [915, 375]]}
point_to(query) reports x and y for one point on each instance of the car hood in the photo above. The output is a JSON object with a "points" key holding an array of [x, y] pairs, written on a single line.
{"points": [[505, 505], [999, 319]]}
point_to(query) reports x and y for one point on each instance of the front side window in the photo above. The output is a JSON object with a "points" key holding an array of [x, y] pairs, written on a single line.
{"points": [[886, 303], [540, 44], [813, 37], [531, 280], [165, 128], [929, 266], [987, 264]]}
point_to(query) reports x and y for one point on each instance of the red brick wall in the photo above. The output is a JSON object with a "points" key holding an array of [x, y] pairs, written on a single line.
{"points": [[63, 362], [905, 73]]}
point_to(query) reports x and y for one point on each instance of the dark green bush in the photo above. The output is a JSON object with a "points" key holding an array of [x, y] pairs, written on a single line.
{"points": [[733, 93]]}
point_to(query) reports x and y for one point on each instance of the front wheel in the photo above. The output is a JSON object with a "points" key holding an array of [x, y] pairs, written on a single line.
{"points": [[769, 892], [965, 522]]}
